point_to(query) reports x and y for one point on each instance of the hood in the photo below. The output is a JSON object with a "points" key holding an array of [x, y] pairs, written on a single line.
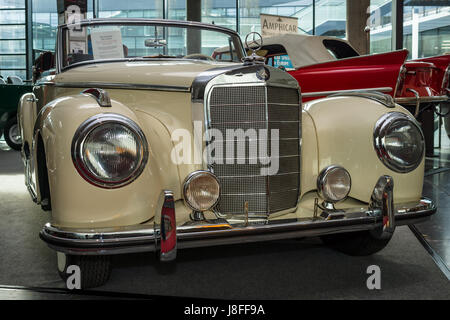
{"points": [[179, 73]]}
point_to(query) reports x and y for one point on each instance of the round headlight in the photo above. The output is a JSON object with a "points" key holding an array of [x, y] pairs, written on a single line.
{"points": [[201, 190], [109, 150], [399, 142], [334, 184]]}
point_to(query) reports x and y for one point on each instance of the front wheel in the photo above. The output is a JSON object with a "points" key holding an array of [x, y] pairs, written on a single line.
{"points": [[94, 270], [359, 243], [12, 134]]}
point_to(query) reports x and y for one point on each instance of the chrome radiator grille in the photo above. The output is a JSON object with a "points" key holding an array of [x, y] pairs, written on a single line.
{"points": [[256, 107]]}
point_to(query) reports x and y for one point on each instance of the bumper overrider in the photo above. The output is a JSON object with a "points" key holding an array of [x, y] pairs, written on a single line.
{"points": [[164, 237]]}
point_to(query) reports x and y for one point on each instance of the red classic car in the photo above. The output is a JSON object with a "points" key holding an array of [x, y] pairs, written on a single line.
{"points": [[440, 82], [328, 65]]}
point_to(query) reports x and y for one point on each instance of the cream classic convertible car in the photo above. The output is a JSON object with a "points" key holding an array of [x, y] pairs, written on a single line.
{"points": [[131, 146]]}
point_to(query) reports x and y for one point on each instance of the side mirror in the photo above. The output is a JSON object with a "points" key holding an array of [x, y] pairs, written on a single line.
{"points": [[44, 62], [48, 59]]}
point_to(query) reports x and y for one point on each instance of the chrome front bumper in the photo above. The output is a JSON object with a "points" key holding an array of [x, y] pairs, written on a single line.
{"points": [[142, 238], [380, 215]]}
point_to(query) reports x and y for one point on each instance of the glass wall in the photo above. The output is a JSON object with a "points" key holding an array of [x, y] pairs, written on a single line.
{"points": [[176, 10], [222, 13], [426, 29], [45, 21], [330, 18], [12, 39], [380, 26], [130, 9]]}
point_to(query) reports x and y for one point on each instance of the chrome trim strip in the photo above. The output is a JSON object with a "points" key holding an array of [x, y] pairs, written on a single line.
{"points": [[126, 86], [413, 100], [141, 238], [251, 104], [252, 176], [162, 22], [260, 193], [327, 93], [382, 98]]}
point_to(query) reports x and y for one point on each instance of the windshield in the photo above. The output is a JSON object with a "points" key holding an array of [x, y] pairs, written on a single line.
{"points": [[103, 42]]}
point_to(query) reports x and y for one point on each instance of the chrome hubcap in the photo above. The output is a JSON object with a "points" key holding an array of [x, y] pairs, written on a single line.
{"points": [[14, 134]]}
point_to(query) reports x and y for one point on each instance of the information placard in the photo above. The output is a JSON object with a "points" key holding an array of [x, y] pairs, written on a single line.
{"points": [[107, 44]]}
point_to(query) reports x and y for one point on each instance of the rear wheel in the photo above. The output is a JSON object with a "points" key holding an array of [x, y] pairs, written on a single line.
{"points": [[360, 243], [95, 270], [12, 134]]}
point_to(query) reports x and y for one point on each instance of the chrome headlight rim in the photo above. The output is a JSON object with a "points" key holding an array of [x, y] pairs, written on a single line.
{"points": [[321, 182], [93, 123], [382, 126], [188, 180]]}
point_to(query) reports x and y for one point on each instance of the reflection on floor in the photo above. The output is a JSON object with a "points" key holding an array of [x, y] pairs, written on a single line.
{"points": [[288, 269], [436, 231]]}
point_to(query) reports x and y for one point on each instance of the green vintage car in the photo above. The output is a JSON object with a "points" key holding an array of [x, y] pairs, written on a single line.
{"points": [[11, 90]]}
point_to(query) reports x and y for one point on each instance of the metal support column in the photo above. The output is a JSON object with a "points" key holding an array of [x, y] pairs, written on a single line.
{"points": [[238, 23], [194, 37], [29, 37], [357, 17], [314, 17], [397, 24]]}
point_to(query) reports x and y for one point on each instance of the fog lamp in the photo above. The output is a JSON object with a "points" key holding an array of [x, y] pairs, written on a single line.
{"points": [[201, 190], [334, 184]]}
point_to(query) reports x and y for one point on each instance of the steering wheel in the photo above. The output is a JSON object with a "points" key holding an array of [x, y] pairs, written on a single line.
{"points": [[199, 56]]}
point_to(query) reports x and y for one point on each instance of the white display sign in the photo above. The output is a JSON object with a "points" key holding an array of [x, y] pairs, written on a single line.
{"points": [[78, 47], [107, 44], [272, 25]]}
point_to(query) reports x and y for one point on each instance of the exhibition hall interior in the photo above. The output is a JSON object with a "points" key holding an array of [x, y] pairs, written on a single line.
{"points": [[232, 150]]}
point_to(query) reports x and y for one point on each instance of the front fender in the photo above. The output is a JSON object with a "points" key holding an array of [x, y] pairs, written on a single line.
{"points": [[344, 127], [26, 117], [76, 202]]}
